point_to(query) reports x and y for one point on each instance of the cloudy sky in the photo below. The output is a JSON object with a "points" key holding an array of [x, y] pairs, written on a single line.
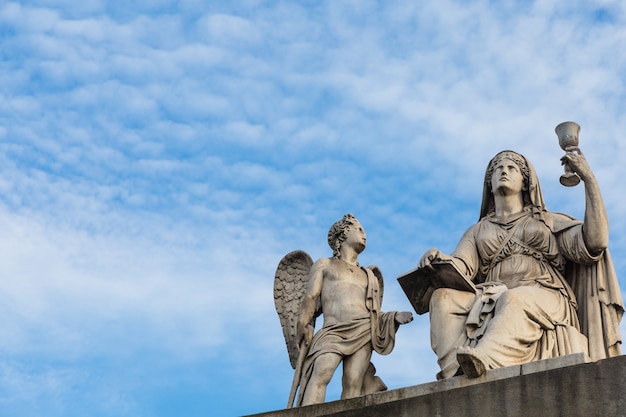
{"points": [[157, 160]]}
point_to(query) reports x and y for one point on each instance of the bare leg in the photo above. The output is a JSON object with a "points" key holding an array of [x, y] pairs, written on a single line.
{"points": [[323, 370], [354, 368]]}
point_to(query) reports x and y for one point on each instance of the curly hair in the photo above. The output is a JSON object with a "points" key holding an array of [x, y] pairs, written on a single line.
{"points": [[338, 233]]}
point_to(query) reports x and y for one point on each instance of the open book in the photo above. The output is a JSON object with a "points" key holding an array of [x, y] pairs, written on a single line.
{"points": [[419, 283]]}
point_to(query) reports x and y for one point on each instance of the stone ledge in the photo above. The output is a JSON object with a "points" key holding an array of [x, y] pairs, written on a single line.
{"points": [[567, 385]]}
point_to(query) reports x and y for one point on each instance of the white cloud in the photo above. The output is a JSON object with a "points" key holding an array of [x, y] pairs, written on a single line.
{"points": [[156, 167]]}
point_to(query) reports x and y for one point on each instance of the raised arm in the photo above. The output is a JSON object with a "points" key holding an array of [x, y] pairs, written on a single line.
{"points": [[596, 224]]}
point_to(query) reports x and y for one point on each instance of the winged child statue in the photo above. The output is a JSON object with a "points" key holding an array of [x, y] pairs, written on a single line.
{"points": [[349, 297]]}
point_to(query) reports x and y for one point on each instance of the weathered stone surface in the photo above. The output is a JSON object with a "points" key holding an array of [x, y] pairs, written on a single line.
{"points": [[349, 297], [523, 284], [559, 362], [585, 389]]}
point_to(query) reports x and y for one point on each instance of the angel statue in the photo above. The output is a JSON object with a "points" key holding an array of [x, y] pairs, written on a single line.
{"points": [[349, 297], [546, 285]]}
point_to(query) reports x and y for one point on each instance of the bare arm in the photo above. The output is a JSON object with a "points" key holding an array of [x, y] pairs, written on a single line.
{"points": [[596, 224], [309, 302]]}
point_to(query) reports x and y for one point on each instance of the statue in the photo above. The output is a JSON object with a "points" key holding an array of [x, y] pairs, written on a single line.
{"points": [[523, 284], [349, 297]]}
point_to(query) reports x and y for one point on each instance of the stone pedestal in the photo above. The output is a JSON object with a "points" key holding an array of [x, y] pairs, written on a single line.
{"points": [[565, 386]]}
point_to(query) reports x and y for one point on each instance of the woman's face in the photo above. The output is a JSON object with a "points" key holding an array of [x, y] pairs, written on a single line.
{"points": [[507, 178]]}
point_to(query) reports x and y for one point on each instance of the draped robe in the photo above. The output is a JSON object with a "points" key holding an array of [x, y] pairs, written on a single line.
{"points": [[377, 329], [525, 309]]}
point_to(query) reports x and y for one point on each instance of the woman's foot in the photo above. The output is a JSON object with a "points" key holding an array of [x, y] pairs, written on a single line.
{"points": [[471, 362]]}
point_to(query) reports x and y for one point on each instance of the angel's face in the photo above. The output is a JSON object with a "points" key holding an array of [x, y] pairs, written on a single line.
{"points": [[356, 237]]}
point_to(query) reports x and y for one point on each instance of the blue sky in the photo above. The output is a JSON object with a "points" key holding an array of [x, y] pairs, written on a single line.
{"points": [[157, 160]]}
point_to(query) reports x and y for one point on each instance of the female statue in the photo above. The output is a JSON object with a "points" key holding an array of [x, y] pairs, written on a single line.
{"points": [[546, 282]]}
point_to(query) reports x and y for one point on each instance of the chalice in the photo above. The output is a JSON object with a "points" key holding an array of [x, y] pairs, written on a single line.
{"points": [[568, 140]]}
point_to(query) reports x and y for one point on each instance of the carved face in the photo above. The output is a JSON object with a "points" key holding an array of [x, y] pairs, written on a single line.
{"points": [[507, 178], [356, 237]]}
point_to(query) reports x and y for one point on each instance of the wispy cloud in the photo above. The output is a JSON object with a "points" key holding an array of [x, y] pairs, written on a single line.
{"points": [[158, 160]]}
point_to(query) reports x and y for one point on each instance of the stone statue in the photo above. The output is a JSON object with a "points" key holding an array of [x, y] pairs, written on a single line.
{"points": [[545, 282], [349, 297]]}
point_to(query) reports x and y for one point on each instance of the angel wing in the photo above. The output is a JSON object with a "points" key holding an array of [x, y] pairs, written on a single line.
{"points": [[290, 283]]}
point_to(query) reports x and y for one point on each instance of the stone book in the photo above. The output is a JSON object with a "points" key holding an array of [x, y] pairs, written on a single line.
{"points": [[419, 283]]}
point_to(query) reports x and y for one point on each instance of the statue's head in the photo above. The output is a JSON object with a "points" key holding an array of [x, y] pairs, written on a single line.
{"points": [[531, 191], [339, 232], [518, 159]]}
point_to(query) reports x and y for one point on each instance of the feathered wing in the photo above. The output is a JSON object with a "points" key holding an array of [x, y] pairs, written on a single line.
{"points": [[290, 284]]}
